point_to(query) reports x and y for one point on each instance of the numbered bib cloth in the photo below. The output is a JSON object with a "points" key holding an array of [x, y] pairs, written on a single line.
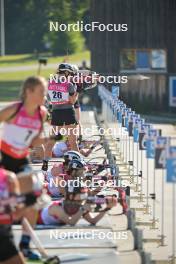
{"points": [[18, 135], [58, 93]]}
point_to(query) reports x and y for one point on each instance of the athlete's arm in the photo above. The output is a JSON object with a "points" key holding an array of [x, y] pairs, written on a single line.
{"points": [[86, 153], [39, 140], [94, 220], [43, 113], [73, 95], [78, 114], [78, 117], [98, 217], [73, 98]]}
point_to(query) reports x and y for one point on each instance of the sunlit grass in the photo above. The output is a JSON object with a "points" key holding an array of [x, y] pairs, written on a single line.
{"points": [[10, 82], [32, 59]]}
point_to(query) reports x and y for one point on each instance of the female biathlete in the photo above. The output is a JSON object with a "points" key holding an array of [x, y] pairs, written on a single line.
{"points": [[72, 208], [23, 124], [62, 95]]}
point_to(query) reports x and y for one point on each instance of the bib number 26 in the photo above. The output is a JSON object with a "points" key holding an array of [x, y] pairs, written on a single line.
{"points": [[57, 95]]}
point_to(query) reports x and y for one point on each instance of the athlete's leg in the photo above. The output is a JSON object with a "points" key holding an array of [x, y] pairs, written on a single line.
{"points": [[78, 117], [72, 132], [31, 215], [48, 148], [8, 252]]}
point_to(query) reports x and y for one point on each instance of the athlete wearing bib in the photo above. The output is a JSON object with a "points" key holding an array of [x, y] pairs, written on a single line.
{"points": [[22, 125], [28, 127], [59, 175], [71, 209], [59, 94], [56, 213], [62, 95]]}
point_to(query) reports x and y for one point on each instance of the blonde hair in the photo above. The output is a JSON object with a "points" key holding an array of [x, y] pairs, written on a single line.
{"points": [[30, 83]]}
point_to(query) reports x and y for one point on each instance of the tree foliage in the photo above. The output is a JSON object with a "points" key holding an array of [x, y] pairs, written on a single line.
{"points": [[27, 25]]}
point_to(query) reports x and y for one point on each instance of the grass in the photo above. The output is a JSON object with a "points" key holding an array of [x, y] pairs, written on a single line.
{"points": [[31, 59], [21, 75], [10, 82]]}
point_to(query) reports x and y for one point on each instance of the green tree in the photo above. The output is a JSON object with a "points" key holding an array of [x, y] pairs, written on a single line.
{"points": [[27, 25]]}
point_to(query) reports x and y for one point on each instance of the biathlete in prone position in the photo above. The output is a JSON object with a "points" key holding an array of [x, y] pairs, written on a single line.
{"points": [[72, 208]]}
